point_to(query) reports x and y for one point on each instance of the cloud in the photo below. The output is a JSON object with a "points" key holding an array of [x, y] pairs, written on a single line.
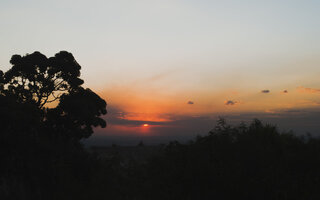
{"points": [[230, 102], [134, 123], [190, 102], [307, 90], [117, 116], [265, 91], [285, 111]]}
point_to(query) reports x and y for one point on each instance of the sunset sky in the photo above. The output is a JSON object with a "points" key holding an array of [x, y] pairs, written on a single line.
{"points": [[177, 65]]}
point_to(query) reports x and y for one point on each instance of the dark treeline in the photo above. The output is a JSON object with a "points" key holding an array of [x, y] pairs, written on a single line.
{"points": [[42, 158], [252, 161]]}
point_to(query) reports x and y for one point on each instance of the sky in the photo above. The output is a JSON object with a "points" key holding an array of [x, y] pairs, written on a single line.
{"points": [[177, 65]]}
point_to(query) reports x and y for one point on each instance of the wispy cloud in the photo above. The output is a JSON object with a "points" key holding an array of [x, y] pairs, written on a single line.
{"points": [[286, 111], [307, 90]]}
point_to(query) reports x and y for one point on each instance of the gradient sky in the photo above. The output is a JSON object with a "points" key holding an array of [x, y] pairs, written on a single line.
{"points": [[177, 65]]}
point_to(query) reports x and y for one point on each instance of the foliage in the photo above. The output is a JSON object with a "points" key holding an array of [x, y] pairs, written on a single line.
{"points": [[40, 149], [252, 161], [246, 161], [35, 80], [40, 79]]}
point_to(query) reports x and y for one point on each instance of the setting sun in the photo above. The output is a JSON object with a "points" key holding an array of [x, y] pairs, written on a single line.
{"points": [[145, 125]]}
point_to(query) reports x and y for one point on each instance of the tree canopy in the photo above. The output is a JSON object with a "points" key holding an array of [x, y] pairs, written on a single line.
{"points": [[36, 80], [40, 151]]}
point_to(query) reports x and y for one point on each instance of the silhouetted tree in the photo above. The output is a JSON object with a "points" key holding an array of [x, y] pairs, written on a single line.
{"points": [[37, 80], [76, 113], [40, 149]]}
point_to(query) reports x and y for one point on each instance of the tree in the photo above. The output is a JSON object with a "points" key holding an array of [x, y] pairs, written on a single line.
{"points": [[77, 112], [35, 77], [37, 80], [40, 151]]}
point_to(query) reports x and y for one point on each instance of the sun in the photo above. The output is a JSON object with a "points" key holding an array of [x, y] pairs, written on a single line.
{"points": [[145, 125]]}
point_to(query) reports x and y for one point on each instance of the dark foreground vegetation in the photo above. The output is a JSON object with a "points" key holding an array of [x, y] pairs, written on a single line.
{"points": [[252, 161], [42, 158]]}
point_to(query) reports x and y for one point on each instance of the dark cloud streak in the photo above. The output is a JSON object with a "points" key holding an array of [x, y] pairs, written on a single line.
{"points": [[230, 102], [265, 91], [190, 102]]}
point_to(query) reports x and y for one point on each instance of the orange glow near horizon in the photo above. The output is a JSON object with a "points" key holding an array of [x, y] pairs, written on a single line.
{"points": [[152, 106]]}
